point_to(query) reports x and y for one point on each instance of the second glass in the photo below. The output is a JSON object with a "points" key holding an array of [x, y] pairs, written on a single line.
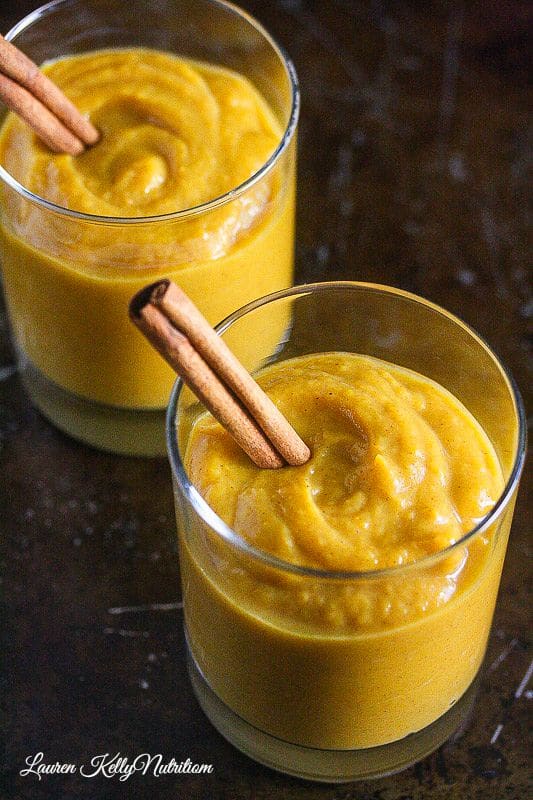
{"points": [[339, 675], [69, 275]]}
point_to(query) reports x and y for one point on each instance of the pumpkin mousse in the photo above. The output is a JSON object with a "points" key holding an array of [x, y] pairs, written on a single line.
{"points": [[400, 472]]}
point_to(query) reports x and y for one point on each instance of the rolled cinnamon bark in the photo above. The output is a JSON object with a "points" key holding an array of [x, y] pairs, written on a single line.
{"points": [[29, 93], [177, 329]]}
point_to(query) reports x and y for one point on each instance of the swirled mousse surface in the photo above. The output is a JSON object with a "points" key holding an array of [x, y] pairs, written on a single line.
{"points": [[400, 470], [174, 134]]}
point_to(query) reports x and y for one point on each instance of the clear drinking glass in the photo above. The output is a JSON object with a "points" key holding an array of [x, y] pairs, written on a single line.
{"points": [[68, 276], [373, 697]]}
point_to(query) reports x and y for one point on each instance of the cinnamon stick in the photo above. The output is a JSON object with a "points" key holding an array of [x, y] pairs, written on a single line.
{"points": [[184, 314], [32, 95], [177, 329], [47, 127]]}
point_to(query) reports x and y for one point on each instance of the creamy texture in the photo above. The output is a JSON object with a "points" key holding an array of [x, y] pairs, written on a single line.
{"points": [[175, 134], [400, 470]]}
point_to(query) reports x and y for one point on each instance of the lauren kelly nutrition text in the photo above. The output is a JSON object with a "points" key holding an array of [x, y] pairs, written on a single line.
{"points": [[107, 765]]}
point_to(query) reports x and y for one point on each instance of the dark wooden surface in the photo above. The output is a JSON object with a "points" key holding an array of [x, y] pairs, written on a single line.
{"points": [[412, 171]]}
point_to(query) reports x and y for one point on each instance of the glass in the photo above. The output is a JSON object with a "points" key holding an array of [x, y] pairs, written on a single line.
{"points": [[363, 702], [68, 276]]}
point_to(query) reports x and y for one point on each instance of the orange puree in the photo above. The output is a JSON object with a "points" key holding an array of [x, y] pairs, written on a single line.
{"points": [[400, 471], [176, 134]]}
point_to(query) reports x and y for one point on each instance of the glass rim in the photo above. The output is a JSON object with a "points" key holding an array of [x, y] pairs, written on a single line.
{"points": [[216, 524], [193, 211]]}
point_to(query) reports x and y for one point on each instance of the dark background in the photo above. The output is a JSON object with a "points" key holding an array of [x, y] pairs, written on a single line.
{"points": [[413, 157]]}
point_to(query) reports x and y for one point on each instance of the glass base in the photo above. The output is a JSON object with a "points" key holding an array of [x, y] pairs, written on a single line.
{"points": [[328, 766], [117, 430]]}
